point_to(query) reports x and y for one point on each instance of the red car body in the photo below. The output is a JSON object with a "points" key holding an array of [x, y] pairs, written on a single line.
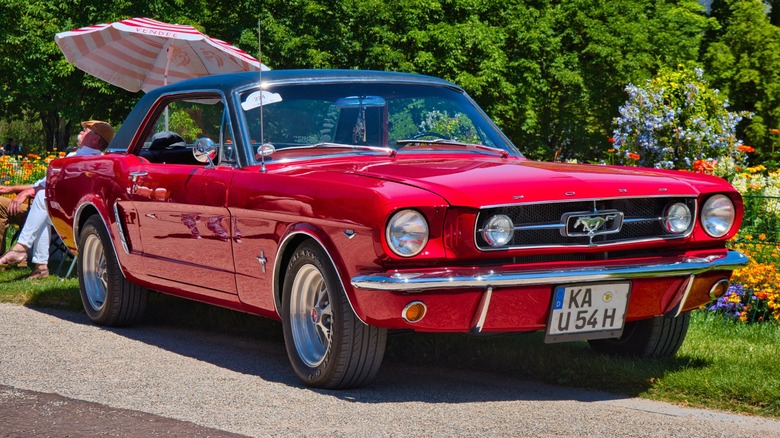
{"points": [[228, 234]]}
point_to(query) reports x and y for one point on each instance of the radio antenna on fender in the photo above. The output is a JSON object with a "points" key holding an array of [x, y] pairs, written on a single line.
{"points": [[260, 77]]}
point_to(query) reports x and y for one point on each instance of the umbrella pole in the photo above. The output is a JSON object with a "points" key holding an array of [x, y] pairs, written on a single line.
{"points": [[168, 55]]}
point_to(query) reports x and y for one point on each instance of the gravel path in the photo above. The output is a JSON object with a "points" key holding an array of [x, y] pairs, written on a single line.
{"points": [[163, 381]]}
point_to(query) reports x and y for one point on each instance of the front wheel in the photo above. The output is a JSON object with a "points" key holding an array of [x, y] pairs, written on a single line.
{"points": [[328, 346], [108, 298], [661, 336]]}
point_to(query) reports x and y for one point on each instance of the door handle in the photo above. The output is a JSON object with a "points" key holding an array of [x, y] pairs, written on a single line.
{"points": [[135, 175]]}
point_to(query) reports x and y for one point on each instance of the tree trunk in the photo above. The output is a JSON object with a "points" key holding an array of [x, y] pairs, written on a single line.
{"points": [[57, 129]]}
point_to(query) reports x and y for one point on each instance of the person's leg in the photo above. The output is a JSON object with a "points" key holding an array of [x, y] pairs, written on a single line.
{"points": [[41, 246], [7, 219], [40, 256], [4, 202], [37, 220]]}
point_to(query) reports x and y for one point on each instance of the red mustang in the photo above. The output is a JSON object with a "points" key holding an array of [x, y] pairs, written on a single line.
{"points": [[349, 203]]}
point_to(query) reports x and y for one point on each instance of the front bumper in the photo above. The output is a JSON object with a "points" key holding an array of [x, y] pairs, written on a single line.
{"points": [[456, 278]]}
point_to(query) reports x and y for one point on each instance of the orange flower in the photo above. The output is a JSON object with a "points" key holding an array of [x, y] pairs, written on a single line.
{"points": [[704, 166], [611, 150], [745, 148], [633, 156], [774, 131]]}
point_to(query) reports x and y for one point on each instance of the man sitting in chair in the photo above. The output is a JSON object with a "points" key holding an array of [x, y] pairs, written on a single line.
{"points": [[36, 232]]}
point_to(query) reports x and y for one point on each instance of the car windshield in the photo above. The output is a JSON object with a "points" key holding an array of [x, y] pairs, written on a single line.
{"points": [[305, 120]]}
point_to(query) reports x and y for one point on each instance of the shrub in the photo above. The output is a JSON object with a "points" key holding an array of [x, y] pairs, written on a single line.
{"points": [[675, 121]]}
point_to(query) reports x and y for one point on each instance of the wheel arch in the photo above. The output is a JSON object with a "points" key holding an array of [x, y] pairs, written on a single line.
{"points": [[85, 211], [296, 236]]}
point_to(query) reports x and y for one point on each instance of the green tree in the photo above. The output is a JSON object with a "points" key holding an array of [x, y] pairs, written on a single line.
{"points": [[743, 60], [37, 81]]}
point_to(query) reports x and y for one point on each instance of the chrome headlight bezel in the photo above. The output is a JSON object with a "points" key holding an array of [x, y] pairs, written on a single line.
{"points": [[678, 218], [407, 233], [498, 230], [718, 215]]}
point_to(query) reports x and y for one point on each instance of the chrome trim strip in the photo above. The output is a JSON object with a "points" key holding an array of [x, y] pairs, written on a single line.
{"points": [[583, 245], [569, 201], [410, 281], [481, 314], [688, 287], [119, 229]]}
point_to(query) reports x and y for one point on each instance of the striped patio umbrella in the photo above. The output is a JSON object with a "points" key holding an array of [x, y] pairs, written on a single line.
{"points": [[143, 54]]}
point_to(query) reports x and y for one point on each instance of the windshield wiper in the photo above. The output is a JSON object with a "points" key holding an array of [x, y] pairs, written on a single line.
{"points": [[501, 152], [392, 152]]}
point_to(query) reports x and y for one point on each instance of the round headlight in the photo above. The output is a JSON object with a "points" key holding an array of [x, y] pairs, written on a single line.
{"points": [[407, 233], [498, 230], [718, 215], [677, 218]]}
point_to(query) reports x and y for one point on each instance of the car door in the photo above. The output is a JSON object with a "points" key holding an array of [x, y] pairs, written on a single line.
{"points": [[180, 204], [184, 225]]}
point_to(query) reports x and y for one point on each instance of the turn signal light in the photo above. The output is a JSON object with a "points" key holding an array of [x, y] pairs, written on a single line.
{"points": [[414, 311]]}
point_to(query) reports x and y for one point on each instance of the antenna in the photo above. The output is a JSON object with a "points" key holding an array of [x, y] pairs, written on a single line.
{"points": [[260, 77]]}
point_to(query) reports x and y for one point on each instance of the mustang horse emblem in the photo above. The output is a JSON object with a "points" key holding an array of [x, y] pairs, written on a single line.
{"points": [[592, 224]]}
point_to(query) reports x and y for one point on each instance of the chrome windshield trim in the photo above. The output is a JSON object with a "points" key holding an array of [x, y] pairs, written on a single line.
{"points": [[410, 281]]}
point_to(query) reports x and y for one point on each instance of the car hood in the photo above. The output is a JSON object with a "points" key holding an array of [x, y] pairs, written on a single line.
{"points": [[484, 182]]}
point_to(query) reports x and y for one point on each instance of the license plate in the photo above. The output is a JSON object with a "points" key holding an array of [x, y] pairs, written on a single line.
{"points": [[587, 311]]}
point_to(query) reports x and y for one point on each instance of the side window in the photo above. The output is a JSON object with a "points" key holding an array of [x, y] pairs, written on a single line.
{"points": [[181, 123]]}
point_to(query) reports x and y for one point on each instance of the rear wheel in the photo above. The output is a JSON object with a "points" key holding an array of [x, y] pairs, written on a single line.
{"points": [[107, 296], [661, 336], [328, 346]]}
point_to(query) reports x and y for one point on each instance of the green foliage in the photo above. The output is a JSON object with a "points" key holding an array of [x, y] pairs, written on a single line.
{"points": [[551, 74], [743, 60]]}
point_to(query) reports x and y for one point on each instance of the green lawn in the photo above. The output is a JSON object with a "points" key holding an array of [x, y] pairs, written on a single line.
{"points": [[722, 365]]}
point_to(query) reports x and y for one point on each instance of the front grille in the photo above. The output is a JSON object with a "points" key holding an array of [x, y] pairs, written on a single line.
{"points": [[552, 224]]}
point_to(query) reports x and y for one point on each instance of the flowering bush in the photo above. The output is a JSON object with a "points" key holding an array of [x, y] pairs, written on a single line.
{"points": [[752, 295], [675, 121], [18, 170]]}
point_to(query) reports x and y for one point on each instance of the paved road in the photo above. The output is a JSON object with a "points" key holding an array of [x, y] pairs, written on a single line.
{"points": [[62, 376]]}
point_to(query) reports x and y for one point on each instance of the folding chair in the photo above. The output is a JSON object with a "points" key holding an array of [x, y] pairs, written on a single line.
{"points": [[57, 249]]}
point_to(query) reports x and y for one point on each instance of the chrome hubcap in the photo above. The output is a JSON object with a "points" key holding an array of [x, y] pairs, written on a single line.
{"points": [[311, 318], [94, 275]]}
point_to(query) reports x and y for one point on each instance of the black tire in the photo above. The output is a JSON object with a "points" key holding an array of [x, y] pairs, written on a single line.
{"points": [[328, 346], [661, 336], [108, 298]]}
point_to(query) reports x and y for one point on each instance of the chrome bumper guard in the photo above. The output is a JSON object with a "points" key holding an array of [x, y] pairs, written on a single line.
{"points": [[466, 278]]}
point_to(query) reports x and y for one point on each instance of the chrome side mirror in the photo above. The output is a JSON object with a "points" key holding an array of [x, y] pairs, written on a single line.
{"points": [[264, 150], [205, 151]]}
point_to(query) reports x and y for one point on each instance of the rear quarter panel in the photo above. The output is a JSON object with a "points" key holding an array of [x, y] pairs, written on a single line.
{"points": [[79, 186]]}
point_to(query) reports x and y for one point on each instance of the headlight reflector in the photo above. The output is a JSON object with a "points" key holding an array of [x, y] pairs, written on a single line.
{"points": [[677, 218], [407, 233], [498, 230], [718, 215]]}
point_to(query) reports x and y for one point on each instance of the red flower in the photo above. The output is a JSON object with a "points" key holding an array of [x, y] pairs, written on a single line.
{"points": [[704, 166], [611, 139], [633, 156], [745, 148]]}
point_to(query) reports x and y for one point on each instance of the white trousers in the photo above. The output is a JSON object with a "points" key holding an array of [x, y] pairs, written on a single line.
{"points": [[36, 232]]}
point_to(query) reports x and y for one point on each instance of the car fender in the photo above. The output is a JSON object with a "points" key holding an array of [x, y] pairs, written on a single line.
{"points": [[292, 237]]}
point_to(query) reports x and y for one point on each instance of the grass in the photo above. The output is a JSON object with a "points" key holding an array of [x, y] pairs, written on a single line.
{"points": [[722, 364]]}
